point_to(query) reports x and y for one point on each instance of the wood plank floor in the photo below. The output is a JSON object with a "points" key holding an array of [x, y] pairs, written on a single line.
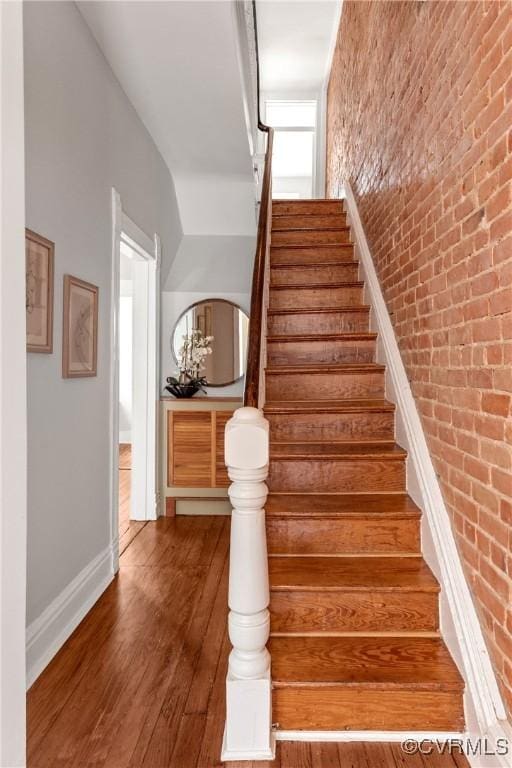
{"points": [[128, 529], [140, 683]]}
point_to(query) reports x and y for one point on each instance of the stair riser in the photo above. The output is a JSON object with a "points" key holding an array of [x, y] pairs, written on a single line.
{"points": [[312, 298], [339, 273], [293, 207], [334, 536], [317, 237], [358, 708], [362, 611], [301, 427], [308, 352], [310, 255], [335, 476], [319, 322], [324, 386], [307, 221]]}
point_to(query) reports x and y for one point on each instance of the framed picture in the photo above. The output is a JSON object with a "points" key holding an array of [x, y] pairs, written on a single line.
{"points": [[39, 255], [80, 329]]}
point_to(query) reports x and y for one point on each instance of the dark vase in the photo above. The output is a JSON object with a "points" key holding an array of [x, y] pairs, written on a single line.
{"points": [[184, 388]]}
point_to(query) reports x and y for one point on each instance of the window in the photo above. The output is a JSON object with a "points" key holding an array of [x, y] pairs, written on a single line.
{"points": [[291, 114], [293, 161]]}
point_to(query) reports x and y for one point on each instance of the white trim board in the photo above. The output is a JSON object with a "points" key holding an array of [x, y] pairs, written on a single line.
{"points": [[144, 430], [460, 626], [494, 741], [13, 391], [370, 736], [47, 633]]}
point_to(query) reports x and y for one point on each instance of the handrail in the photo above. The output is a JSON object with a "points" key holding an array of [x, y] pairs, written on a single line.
{"points": [[252, 376]]}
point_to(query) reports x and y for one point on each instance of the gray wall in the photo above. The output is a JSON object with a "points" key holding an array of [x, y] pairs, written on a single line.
{"points": [[82, 138], [206, 267]]}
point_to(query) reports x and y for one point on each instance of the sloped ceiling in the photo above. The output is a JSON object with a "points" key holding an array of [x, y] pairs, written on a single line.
{"points": [[296, 40], [177, 63]]}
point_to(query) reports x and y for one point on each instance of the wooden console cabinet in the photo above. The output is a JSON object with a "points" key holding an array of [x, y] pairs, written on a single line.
{"points": [[193, 451]]}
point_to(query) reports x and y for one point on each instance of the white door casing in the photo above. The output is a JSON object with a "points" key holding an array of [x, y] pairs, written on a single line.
{"points": [[13, 405], [146, 279]]}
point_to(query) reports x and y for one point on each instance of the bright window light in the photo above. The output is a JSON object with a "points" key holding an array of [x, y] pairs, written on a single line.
{"points": [[292, 153], [291, 114]]}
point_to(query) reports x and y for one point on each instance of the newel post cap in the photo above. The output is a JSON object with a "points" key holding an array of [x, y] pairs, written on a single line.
{"points": [[246, 443]]}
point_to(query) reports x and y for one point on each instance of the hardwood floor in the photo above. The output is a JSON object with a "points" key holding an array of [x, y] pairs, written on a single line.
{"points": [[128, 529], [140, 683]]}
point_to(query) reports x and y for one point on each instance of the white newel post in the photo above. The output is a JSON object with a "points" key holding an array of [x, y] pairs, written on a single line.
{"points": [[248, 732]]}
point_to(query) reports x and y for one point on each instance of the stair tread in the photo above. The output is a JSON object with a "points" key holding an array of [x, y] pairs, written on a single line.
{"points": [[339, 505], [317, 264], [315, 310], [350, 573], [321, 339], [338, 451], [308, 286], [308, 246], [420, 663], [282, 222], [342, 228], [305, 200], [329, 406], [327, 368], [303, 213]]}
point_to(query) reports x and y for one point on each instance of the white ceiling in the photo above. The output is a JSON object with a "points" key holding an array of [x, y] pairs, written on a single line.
{"points": [[177, 63], [296, 40]]}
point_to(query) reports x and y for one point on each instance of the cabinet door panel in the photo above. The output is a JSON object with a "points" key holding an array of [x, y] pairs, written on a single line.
{"points": [[221, 479], [190, 456]]}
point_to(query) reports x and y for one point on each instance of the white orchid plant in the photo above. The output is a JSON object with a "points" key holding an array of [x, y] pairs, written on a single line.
{"points": [[195, 348], [193, 352]]}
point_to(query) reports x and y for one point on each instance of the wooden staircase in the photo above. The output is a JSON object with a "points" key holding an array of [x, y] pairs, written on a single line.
{"points": [[355, 641]]}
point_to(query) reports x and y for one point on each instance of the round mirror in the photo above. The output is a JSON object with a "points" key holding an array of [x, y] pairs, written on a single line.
{"points": [[228, 326]]}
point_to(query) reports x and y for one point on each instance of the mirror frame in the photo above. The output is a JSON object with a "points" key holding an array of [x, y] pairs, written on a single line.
{"points": [[196, 304]]}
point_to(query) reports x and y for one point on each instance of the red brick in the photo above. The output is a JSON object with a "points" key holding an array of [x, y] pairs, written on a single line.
{"points": [[419, 117], [495, 579], [500, 303], [484, 284], [490, 427], [488, 329], [495, 403], [502, 251], [498, 203], [497, 454], [502, 481]]}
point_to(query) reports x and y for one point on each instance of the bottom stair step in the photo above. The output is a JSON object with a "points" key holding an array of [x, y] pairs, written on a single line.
{"points": [[352, 594], [340, 524], [365, 683]]}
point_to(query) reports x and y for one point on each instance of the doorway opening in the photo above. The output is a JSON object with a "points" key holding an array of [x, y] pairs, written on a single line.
{"points": [[135, 280], [294, 152]]}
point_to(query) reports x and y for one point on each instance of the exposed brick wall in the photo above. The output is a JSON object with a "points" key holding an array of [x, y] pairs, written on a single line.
{"points": [[419, 122]]}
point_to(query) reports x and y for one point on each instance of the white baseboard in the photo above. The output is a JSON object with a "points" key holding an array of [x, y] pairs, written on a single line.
{"points": [[125, 436], [47, 633], [461, 630], [377, 736], [492, 751], [199, 507]]}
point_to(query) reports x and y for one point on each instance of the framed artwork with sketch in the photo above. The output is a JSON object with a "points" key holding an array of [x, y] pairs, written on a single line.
{"points": [[80, 329], [39, 255]]}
